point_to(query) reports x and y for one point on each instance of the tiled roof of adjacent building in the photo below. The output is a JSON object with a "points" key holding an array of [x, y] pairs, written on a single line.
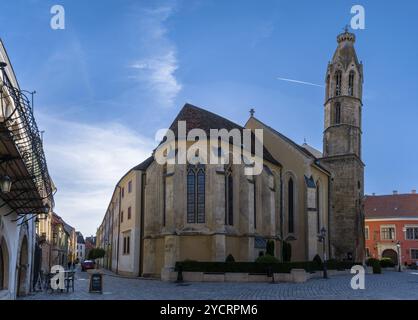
{"points": [[80, 238], [196, 117], [391, 206]]}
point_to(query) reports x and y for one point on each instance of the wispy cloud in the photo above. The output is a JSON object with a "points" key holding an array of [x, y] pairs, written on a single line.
{"points": [[300, 82], [86, 161], [156, 68]]}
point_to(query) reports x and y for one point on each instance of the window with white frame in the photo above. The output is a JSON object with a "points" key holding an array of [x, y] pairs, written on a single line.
{"points": [[411, 233], [414, 254], [387, 233]]}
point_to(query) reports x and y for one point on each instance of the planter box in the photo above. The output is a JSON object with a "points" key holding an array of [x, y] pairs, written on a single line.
{"points": [[299, 275], [283, 277], [213, 277], [258, 278], [236, 277]]}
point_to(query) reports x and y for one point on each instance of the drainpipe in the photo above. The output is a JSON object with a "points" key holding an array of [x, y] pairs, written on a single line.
{"points": [[117, 249], [328, 217], [281, 216], [141, 236]]}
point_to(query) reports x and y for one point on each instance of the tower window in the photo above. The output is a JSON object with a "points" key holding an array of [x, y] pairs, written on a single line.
{"points": [[351, 83], [196, 194], [338, 83], [290, 205], [229, 197], [327, 88], [337, 113], [318, 209]]}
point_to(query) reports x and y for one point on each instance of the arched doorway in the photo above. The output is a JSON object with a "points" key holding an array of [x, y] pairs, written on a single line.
{"points": [[4, 265], [392, 254], [23, 268]]}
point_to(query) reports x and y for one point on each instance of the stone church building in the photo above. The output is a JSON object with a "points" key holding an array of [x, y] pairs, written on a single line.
{"points": [[161, 214]]}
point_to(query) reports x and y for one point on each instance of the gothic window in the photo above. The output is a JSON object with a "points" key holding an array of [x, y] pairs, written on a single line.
{"points": [[337, 113], [229, 197], [255, 202], [351, 83], [338, 83], [290, 205], [164, 193], [327, 88], [196, 194], [2, 267], [318, 208]]}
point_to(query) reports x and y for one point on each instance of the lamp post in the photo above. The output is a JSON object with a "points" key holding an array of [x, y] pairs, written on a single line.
{"points": [[398, 246], [321, 238]]}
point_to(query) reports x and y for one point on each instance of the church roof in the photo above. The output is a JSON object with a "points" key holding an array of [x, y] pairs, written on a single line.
{"points": [[196, 117], [316, 153], [391, 206], [345, 52]]}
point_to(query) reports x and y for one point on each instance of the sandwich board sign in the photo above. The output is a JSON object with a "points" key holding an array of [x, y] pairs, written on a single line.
{"points": [[96, 283]]}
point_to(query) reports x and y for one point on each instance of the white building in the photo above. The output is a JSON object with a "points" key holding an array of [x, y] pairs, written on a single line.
{"points": [[25, 186], [81, 248]]}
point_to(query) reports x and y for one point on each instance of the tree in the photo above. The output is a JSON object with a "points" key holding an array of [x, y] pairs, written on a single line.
{"points": [[270, 248], [96, 253]]}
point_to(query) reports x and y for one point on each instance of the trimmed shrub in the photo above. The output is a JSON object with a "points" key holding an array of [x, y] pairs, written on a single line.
{"points": [[230, 258], [259, 267], [270, 248], [287, 251], [377, 269], [371, 261], [386, 263], [317, 260], [267, 259]]}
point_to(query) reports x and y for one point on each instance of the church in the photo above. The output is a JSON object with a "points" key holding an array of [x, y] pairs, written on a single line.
{"points": [[161, 214]]}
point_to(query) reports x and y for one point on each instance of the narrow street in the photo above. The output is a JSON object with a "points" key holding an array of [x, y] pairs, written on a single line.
{"points": [[389, 285]]}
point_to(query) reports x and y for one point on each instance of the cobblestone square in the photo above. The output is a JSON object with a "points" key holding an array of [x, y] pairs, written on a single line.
{"points": [[389, 285]]}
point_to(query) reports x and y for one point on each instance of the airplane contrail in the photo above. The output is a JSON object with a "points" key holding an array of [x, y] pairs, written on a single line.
{"points": [[300, 82]]}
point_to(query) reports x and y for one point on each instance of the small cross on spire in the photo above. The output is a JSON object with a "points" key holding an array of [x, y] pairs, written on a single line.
{"points": [[252, 111], [346, 28]]}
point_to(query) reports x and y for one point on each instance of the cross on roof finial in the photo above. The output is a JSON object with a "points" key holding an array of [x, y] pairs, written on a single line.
{"points": [[252, 111], [346, 28]]}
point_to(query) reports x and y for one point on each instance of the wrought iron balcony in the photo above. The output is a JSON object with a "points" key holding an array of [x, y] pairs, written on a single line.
{"points": [[22, 157]]}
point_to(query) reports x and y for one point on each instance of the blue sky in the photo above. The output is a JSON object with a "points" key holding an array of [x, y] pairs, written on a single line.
{"points": [[121, 70]]}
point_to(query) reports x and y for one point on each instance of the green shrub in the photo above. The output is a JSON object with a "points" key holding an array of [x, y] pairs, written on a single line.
{"points": [[267, 259], [230, 258], [317, 260], [270, 248], [386, 263], [371, 261], [287, 251], [377, 269], [96, 253]]}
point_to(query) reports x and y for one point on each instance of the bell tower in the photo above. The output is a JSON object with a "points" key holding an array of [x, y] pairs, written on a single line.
{"points": [[342, 149]]}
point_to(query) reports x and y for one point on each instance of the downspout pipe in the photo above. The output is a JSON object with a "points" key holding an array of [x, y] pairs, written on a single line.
{"points": [[119, 211], [281, 215], [141, 236], [328, 217]]}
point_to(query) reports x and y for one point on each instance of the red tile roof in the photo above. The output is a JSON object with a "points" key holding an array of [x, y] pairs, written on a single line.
{"points": [[391, 206]]}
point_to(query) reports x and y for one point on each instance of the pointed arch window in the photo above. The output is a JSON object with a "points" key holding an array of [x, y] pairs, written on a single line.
{"points": [[327, 88], [229, 197], [337, 113], [290, 205], [255, 202], [196, 193], [164, 194], [318, 208], [351, 83], [338, 76]]}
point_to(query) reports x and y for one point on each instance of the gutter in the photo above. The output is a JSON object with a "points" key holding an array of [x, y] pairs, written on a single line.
{"points": [[141, 236], [117, 249], [281, 215], [328, 216]]}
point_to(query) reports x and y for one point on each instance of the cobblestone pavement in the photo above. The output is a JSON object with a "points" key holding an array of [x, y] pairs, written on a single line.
{"points": [[389, 285]]}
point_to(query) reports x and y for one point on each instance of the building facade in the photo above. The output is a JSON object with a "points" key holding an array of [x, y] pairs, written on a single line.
{"points": [[391, 227], [25, 186], [81, 248], [205, 212]]}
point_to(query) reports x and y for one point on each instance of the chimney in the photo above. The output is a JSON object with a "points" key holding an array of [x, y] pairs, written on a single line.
{"points": [[414, 191], [395, 192]]}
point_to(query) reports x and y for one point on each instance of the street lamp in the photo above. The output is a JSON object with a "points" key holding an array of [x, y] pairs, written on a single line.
{"points": [[398, 246], [5, 183], [321, 238]]}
